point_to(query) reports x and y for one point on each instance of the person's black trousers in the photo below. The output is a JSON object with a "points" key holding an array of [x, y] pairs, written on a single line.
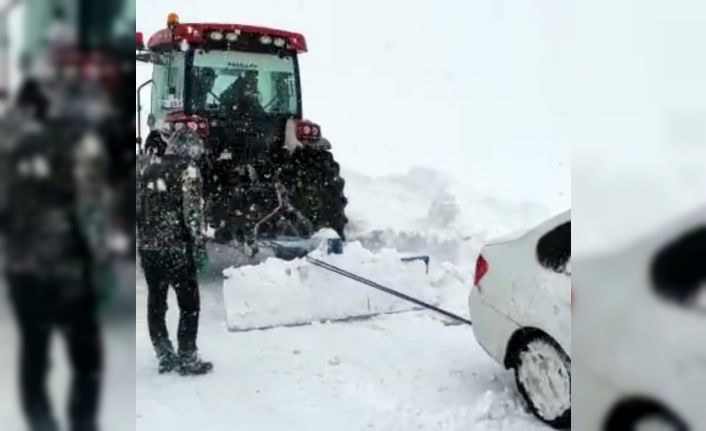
{"points": [[41, 305], [177, 269]]}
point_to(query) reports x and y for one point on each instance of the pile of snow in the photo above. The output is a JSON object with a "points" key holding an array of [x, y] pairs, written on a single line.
{"points": [[427, 211], [421, 213], [280, 293]]}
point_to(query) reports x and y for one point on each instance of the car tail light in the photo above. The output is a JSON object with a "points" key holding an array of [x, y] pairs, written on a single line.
{"points": [[481, 269]]}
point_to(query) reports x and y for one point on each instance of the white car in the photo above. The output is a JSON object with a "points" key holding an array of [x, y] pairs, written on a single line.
{"points": [[640, 318], [520, 306]]}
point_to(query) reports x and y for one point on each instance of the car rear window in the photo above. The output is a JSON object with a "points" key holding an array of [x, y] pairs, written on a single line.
{"points": [[554, 248], [678, 270]]}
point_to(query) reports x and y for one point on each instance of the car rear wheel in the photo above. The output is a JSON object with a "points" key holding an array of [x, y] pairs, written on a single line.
{"points": [[657, 423], [644, 416], [543, 375]]}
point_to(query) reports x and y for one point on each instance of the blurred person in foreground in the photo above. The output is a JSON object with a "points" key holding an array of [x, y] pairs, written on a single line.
{"points": [[54, 230], [170, 241]]}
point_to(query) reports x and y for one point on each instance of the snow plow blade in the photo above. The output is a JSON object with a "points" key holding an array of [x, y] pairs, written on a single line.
{"points": [[278, 293]]}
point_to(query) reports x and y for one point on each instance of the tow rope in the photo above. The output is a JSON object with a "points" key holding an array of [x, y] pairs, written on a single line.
{"points": [[342, 272]]}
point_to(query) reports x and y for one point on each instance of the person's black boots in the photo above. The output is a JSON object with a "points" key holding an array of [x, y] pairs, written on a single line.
{"points": [[88, 425], [168, 362], [191, 365]]}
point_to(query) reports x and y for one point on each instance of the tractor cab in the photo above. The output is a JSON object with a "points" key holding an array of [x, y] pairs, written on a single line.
{"points": [[267, 172], [236, 85]]}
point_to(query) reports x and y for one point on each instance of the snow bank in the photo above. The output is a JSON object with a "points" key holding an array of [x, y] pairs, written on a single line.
{"points": [[429, 201], [427, 210], [420, 213], [278, 293]]}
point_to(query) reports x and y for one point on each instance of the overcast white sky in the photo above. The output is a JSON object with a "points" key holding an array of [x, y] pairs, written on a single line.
{"points": [[501, 94], [637, 116]]}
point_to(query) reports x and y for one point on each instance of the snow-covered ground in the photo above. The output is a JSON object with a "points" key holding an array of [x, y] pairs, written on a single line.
{"points": [[401, 372], [405, 371]]}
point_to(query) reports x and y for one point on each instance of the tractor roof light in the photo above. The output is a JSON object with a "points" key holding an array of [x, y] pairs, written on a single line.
{"points": [[201, 34], [140, 41], [172, 20]]}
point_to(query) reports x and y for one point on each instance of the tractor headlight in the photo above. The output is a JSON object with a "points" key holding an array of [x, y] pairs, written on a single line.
{"points": [[307, 130], [265, 40], [232, 37], [216, 35], [279, 42], [315, 131]]}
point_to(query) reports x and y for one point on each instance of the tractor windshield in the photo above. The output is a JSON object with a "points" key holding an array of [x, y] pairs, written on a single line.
{"points": [[234, 81]]}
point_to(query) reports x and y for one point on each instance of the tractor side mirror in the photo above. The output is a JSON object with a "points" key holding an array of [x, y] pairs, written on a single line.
{"points": [[151, 121]]}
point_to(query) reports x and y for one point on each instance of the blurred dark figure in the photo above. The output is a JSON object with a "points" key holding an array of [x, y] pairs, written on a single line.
{"points": [[68, 178], [170, 220], [54, 243]]}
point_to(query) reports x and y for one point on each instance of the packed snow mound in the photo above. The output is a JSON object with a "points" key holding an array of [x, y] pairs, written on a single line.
{"points": [[282, 293], [422, 212], [427, 211]]}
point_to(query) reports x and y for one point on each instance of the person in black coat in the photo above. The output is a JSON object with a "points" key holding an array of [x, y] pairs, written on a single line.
{"points": [[54, 240], [170, 240]]}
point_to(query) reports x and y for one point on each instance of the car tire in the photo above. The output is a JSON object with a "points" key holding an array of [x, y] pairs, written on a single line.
{"points": [[543, 376], [639, 415]]}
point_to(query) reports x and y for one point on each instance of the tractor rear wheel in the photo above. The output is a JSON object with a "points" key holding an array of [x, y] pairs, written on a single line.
{"points": [[316, 188]]}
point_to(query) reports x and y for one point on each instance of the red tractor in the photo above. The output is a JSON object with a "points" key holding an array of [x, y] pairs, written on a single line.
{"points": [[268, 173]]}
